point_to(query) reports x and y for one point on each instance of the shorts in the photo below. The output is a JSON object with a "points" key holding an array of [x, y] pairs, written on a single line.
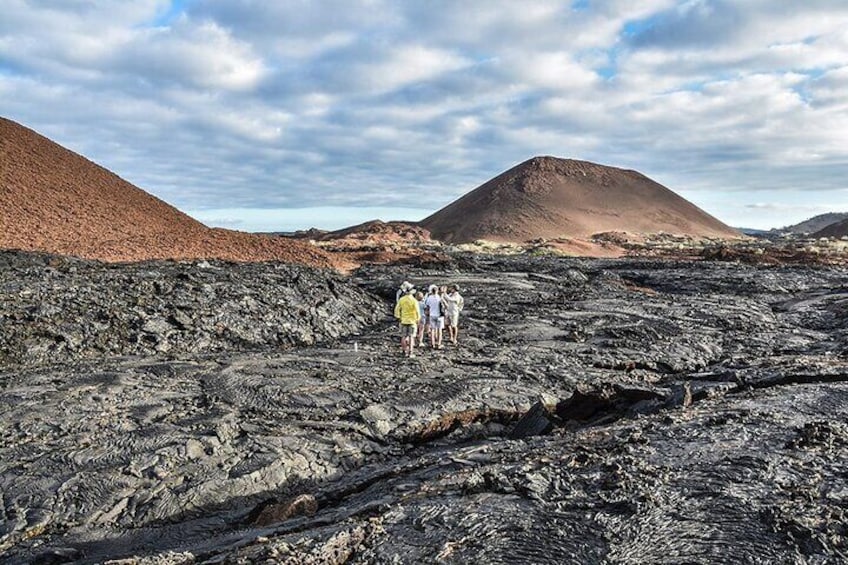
{"points": [[408, 330], [435, 322], [453, 319]]}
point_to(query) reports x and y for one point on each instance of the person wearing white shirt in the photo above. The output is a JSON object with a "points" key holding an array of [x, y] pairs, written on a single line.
{"points": [[434, 307], [454, 303]]}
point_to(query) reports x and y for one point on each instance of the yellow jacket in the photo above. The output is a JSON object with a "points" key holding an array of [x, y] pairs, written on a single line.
{"points": [[406, 310]]}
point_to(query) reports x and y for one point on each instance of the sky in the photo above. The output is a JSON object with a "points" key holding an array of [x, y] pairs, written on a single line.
{"points": [[277, 115]]}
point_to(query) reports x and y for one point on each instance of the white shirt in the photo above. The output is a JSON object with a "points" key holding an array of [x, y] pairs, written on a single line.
{"points": [[432, 301], [454, 303]]}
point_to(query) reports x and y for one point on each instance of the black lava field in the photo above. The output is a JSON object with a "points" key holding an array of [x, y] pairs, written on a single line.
{"points": [[594, 411]]}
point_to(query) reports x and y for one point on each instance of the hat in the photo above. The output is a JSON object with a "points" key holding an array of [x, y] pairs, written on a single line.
{"points": [[405, 286], [432, 288]]}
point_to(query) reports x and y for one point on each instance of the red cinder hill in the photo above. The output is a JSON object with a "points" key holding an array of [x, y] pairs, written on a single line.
{"points": [[548, 197], [54, 200]]}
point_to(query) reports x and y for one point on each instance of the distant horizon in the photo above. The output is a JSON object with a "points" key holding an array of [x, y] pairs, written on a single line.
{"points": [[329, 218], [333, 218]]}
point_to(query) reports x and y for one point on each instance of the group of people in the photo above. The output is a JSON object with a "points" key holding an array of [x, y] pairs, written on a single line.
{"points": [[431, 313]]}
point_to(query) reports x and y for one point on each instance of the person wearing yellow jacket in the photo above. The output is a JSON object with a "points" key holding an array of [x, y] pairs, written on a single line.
{"points": [[406, 310]]}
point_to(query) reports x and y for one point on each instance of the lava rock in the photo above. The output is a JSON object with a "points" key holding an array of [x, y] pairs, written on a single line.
{"points": [[699, 417]]}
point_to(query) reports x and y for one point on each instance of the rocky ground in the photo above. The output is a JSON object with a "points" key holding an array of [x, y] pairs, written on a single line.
{"points": [[596, 411], [57, 309]]}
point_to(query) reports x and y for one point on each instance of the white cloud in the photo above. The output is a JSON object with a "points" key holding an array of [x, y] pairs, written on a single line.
{"points": [[406, 65], [553, 70], [292, 219], [830, 89], [203, 54]]}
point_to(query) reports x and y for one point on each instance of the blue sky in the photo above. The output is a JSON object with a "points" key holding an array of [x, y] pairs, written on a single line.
{"points": [[279, 115]]}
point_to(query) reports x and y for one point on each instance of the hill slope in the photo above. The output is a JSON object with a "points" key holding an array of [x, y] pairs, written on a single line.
{"points": [[548, 197], [837, 229], [54, 200], [815, 224]]}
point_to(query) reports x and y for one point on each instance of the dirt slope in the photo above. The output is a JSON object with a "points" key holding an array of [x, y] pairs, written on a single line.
{"points": [[548, 197], [54, 200]]}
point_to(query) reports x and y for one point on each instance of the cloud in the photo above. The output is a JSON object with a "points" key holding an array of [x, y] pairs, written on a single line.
{"points": [[829, 89], [701, 23], [782, 206], [404, 66], [293, 219], [197, 54], [260, 104]]}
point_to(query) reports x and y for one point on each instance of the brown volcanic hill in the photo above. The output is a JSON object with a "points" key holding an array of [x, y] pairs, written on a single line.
{"points": [[814, 224], [377, 241], [838, 229], [54, 200], [548, 197], [377, 231]]}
